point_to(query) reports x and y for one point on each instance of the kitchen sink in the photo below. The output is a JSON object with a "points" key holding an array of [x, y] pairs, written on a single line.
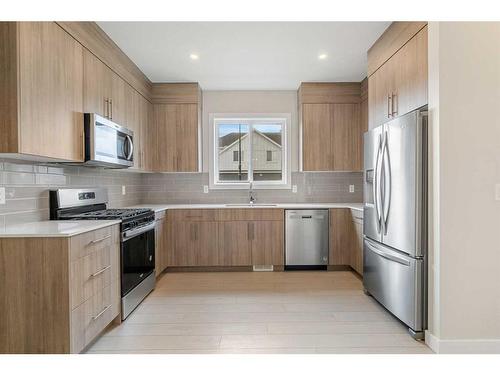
{"points": [[251, 205]]}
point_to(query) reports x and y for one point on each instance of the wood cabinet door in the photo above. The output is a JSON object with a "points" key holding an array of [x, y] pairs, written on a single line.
{"points": [[345, 136], [410, 70], [96, 85], [186, 128], [166, 137], [340, 237], [177, 137], [194, 244], [267, 242], [234, 243], [160, 246], [206, 253], [183, 244], [51, 92], [119, 92], [316, 136]]}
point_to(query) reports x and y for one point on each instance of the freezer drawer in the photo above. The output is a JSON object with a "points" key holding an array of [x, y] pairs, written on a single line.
{"points": [[396, 281], [306, 241]]}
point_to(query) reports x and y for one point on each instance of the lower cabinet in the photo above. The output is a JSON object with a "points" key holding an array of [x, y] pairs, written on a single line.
{"points": [[58, 293], [346, 238], [267, 243], [194, 244], [227, 237], [161, 242], [235, 247]]}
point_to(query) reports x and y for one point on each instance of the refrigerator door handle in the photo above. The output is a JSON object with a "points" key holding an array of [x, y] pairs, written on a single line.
{"points": [[387, 256], [387, 182], [376, 185]]}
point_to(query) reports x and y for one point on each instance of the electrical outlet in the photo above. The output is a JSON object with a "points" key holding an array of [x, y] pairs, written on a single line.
{"points": [[124, 190], [2, 195], [497, 192], [351, 188], [294, 188], [205, 189]]}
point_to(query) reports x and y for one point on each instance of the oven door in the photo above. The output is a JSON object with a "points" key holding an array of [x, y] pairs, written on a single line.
{"points": [[138, 256], [107, 143]]}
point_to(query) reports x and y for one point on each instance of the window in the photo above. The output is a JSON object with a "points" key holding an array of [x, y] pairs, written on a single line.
{"points": [[269, 156], [249, 150]]}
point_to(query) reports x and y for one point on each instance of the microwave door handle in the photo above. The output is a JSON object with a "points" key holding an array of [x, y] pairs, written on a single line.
{"points": [[131, 147], [387, 181]]}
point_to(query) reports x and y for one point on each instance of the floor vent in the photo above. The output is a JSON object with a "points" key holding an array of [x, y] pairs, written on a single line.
{"points": [[263, 268]]}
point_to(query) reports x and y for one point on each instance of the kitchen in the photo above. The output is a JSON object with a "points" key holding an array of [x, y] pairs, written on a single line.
{"points": [[295, 213]]}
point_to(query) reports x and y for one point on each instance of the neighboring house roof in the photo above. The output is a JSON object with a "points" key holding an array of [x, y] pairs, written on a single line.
{"points": [[231, 138]]}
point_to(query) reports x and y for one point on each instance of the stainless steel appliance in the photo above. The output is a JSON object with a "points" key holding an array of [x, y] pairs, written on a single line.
{"points": [[306, 239], [137, 237], [395, 218], [107, 144]]}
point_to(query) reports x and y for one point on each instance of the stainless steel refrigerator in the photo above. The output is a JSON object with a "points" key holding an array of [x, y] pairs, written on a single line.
{"points": [[395, 218]]}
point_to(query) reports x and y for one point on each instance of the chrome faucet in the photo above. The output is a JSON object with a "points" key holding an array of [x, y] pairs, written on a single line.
{"points": [[250, 194]]}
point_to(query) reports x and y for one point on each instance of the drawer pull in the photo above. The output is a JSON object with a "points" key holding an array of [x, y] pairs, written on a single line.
{"points": [[102, 312], [100, 271], [99, 240]]}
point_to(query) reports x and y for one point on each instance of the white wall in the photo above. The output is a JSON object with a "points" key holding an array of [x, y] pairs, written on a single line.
{"points": [[464, 103], [249, 102]]}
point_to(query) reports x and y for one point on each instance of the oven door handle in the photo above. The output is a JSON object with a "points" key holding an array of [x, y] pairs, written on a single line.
{"points": [[135, 232]]}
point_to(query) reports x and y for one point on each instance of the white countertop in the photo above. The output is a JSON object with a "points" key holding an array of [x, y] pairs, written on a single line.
{"points": [[55, 228], [163, 207]]}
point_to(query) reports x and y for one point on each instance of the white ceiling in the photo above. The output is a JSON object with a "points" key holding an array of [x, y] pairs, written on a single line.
{"points": [[247, 55]]}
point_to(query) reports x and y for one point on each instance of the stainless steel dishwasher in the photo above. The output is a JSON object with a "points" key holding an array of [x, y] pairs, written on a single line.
{"points": [[306, 239]]}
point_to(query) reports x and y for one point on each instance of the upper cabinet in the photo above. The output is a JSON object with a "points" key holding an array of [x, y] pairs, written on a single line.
{"points": [[332, 129], [107, 94], [41, 87], [177, 115], [398, 66]]}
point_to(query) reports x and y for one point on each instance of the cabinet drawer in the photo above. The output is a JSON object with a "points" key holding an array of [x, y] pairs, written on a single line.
{"points": [[86, 243], [92, 273], [90, 318], [193, 215], [250, 214]]}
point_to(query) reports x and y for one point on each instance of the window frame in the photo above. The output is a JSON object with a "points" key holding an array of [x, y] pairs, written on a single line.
{"points": [[284, 119]]}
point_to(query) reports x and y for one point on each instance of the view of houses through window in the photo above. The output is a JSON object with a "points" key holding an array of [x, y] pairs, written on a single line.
{"points": [[249, 150]]}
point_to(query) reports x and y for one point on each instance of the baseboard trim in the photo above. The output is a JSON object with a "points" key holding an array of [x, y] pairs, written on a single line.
{"points": [[472, 346]]}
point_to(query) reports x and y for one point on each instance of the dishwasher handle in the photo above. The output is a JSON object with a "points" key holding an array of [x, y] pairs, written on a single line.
{"points": [[319, 217]]}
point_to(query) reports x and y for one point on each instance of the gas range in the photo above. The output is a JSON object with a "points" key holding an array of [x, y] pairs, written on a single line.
{"points": [[137, 237]]}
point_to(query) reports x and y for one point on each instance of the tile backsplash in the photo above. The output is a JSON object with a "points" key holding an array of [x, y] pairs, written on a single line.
{"points": [[27, 186], [311, 187]]}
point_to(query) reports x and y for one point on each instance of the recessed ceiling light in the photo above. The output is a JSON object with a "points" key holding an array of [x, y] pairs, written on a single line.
{"points": [[194, 56], [322, 56]]}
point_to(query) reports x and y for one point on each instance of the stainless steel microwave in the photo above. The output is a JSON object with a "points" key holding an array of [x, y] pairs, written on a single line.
{"points": [[107, 144]]}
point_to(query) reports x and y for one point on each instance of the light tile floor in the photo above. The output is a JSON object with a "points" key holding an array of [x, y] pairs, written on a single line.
{"points": [[259, 312]]}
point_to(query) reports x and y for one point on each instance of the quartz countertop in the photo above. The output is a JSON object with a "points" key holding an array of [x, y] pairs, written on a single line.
{"points": [[55, 228], [162, 207]]}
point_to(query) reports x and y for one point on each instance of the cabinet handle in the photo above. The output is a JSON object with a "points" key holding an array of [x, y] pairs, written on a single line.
{"points": [[250, 231], [389, 106], [111, 109], [99, 240], [102, 312], [394, 104], [101, 271], [106, 108]]}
